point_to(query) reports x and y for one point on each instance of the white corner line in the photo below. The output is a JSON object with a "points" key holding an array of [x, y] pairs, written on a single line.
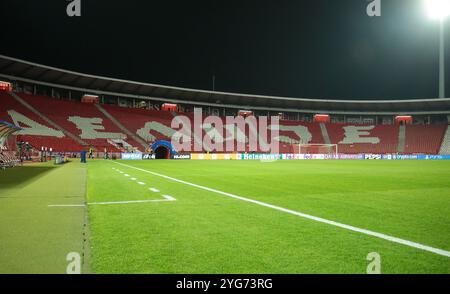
{"points": [[169, 198], [303, 215], [141, 183], [154, 190]]}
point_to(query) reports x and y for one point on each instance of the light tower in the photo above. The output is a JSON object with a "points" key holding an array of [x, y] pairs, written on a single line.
{"points": [[440, 9]]}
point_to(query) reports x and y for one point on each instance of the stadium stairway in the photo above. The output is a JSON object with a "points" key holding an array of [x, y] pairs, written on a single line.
{"points": [[46, 119], [401, 139], [81, 119], [445, 146], [325, 135], [158, 122], [121, 126]]}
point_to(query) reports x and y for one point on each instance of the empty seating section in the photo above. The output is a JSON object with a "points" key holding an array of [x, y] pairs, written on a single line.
{"points": [[354, 139], [294, 133], [148, 124], [10, 107], [93, 127], [68, 114], [445, 146], [7, 159], [424, 139]]}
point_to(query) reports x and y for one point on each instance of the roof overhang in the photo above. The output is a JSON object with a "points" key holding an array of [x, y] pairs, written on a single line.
{"points": [[20, 70]]}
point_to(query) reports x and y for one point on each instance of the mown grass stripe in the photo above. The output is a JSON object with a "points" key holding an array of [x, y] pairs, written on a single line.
{"points": [[303, 215]]}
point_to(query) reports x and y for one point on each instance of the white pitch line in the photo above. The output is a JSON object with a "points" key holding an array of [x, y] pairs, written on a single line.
{"points": [[167, 198], [303, 215], [133, 201], [66, 205], [127, 175], [133, 179], [141, 183], [154, 190]]}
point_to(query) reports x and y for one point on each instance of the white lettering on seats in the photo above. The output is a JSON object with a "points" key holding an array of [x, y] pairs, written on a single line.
{"points": [[354, 135], [145, 134], [90, 127], [302, 132], [30, 127]]}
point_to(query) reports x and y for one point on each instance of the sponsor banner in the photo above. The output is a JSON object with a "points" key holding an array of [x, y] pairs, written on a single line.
{"points": [[259, 156], [132, 156], [404, 156], [372, 156], [181, 156], [433, 157], [148, 156], [351, 156], [314, 156], [299, 156], [387, 157], [290, 156], [214, 156]]}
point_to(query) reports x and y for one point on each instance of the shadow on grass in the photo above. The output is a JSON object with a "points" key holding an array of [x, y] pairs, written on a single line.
{"points": [[20, 176]]}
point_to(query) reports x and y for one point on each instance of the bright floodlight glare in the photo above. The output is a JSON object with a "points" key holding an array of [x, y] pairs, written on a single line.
{"points": [[438, 9]]}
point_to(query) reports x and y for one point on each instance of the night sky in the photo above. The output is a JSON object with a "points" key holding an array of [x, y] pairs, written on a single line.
{"points": [[299, 48]]}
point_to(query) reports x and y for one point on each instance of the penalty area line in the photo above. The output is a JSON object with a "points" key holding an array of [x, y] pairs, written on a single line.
{"points": [[167, 198], [303, 215]]}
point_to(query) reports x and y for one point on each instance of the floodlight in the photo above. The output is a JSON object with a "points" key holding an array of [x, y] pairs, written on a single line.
{"points": [[438, 9]]}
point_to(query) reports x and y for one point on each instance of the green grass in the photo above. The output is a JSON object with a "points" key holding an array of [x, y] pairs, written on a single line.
{"points": [[204, 232], [33, 237]]}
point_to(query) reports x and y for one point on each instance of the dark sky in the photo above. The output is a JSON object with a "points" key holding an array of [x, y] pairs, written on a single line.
{"points": [[298, 48]]}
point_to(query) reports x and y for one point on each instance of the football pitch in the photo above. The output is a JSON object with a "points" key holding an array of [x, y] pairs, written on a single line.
{"points": [[232, 216]]}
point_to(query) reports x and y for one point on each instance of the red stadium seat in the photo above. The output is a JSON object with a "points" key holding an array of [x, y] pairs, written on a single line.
{"points": [[387, 138], [424, 139], [96, 129], [8, 103]]}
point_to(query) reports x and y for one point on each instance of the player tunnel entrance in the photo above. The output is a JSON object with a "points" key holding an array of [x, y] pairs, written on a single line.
{"points": [[162, 152], [162, 149]]}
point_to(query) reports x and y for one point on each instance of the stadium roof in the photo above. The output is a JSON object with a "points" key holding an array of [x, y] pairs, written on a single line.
{"points": [[20, 70]]}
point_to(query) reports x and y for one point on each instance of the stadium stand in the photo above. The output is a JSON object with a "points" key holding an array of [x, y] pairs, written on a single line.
{"points": [[356, 126], [75, 117], [7, 155], [131, 135], [353, 139], [445, 147], [8, 160], [35, 130], [150, 125], [114, 128], [424, 139], [293, 133]]}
